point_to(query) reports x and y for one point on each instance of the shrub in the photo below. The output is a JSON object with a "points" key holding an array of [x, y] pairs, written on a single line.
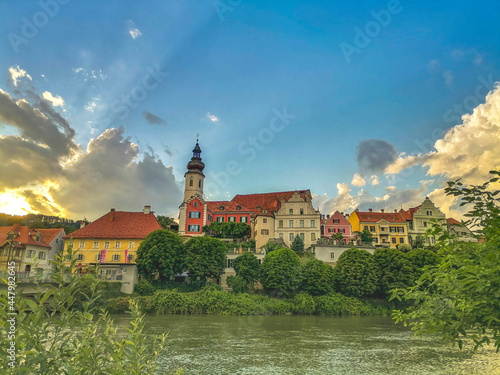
{"points": [[355, 273]]}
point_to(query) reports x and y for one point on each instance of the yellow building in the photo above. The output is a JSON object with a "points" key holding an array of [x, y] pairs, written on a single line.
{"points": [[113, 238], [388, 229]]}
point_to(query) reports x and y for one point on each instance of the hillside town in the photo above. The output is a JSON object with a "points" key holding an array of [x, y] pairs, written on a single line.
{"points": [[111, 241]]}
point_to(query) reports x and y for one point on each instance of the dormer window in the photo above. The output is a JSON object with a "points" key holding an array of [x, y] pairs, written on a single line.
{"points": [[264, 211], [222, 208], [238, 208]]}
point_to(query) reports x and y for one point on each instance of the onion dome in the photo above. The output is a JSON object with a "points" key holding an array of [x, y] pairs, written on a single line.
{"points": [[196, 163]]}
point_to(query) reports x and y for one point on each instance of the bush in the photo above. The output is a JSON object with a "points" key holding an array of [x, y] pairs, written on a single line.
{"points": [[144, 287], [281, 273], [404, 247], [318, 278], [303, 304], [355, 273]]}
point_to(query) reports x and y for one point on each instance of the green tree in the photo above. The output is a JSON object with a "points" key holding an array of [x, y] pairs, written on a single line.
{"points": [[318, 277], [227, 229], [404, 247], [165, 221], [355, 273], [460, 298], [281, 272], [298, 245], [271, 246], [338, 237], [418, 242], [421, 258], [365, 236], [394, 270], [205, 257], [162, 254], [247, 267]]}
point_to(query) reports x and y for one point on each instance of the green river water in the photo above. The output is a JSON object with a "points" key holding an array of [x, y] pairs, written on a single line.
{"points": [[205, 344]]}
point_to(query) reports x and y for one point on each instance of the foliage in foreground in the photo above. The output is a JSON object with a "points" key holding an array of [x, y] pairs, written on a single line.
{"points": [[52, 336], [460, 298]]}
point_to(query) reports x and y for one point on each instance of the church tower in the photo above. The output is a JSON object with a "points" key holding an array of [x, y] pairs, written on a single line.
{"points": [[193, 210], [194, 176]]}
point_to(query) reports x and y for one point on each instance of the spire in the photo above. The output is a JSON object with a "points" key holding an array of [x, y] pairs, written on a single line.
{"points": [[196, 163]]}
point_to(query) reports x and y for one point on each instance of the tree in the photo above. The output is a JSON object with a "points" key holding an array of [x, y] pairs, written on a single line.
{"points": [[421, 258], [394, 270], [227, 229], [318, 277], [355, 273], [281, 272], [271, 246], [460, 297], [338, 237], [165, 221], [404, 247], [418, 243], [247, 267], [162, 254], [298, 245], [365, 236], [205, 257]]}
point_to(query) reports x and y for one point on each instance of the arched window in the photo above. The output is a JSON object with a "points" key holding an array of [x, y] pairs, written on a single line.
{"points": [[191, 182], [199, 183]]}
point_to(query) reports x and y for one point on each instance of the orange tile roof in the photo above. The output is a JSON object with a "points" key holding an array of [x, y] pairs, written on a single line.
{"points": [[408, 215], [452, 221], [267, 201], [229, 206], [48, 235], [119, 224], [23, 236], [392, 217]]}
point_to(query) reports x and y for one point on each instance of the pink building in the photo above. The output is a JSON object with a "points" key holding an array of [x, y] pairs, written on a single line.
{"points": [[337, 223]]}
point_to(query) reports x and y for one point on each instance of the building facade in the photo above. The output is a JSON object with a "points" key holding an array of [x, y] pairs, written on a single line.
{"points": [[387, 229], [337, 223]]}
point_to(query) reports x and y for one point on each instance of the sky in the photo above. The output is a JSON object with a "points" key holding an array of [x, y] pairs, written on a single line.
{"points": [[369, 104]]}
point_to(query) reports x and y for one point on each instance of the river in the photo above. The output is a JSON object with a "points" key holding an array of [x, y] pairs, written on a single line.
{"points": [[206, 344]]}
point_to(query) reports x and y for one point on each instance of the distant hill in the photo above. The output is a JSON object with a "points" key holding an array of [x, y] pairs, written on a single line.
{"points": [[41, 221]]}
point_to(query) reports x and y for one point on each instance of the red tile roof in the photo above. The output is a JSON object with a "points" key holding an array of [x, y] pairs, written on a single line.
{"points": [[48, 235], [119, 224], [23, 236], [408, 215], [452, 221], [391, 217], [267, 201], [229, 206]]}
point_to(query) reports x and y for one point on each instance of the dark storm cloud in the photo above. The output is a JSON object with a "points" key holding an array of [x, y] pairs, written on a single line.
{"points": [[374, 155], [153, 119]]}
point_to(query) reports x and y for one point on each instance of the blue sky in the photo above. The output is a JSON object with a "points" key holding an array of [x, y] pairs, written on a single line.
{"points": [[224, 68]]}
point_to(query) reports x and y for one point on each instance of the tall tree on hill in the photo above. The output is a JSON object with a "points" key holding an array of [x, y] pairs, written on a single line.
{"points": [[298, 245]]}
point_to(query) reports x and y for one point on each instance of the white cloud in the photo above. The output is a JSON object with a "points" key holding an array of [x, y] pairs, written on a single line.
{"points": [[374, 180], [358, 180], [448, 78], [16, 72], [433, 65], [56, 101], [135, 33], [212, 117], [478, 59]]}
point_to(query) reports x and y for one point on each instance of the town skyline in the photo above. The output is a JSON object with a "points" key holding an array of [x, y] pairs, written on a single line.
{"points": [[344, 109]]}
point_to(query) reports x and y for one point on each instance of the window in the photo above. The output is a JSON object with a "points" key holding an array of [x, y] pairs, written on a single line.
{"points": [[191, 182], [244, 219], [393, 240], [264, 212], [98, 257], [194, 228], [222, 208], [238, 208], [401, 229], [301, 223], [106, 244], [42, 255], [130, 257], [199, 183], [290, 211], [336, 221], [31, 254], [329, 230], [290, 224], [230, 263], [116, 257], [332, 255], [232, 218], [80, 257], [195, 204], [365, 227], [392, 229], [302, 236], [313, 236], [194, 215], [429, 213], [302, 211], [96, 244], [313, 223], [425, 223], [131, 245], [281, 235], [291, 237], [372, 228], [220, 219], [210, 218], [264, 221], [343, 230], [401, 240], [375, 239], [264, 232], [118, 244], [410, 224], [383, 229], [82, 244], [280, 223]]}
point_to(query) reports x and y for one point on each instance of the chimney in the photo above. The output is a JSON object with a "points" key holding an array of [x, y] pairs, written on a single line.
{"points": [[382, 210], [328, 216], [395, 211], [370, 210], [112, 216], [82, 224], [147, 210]]}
